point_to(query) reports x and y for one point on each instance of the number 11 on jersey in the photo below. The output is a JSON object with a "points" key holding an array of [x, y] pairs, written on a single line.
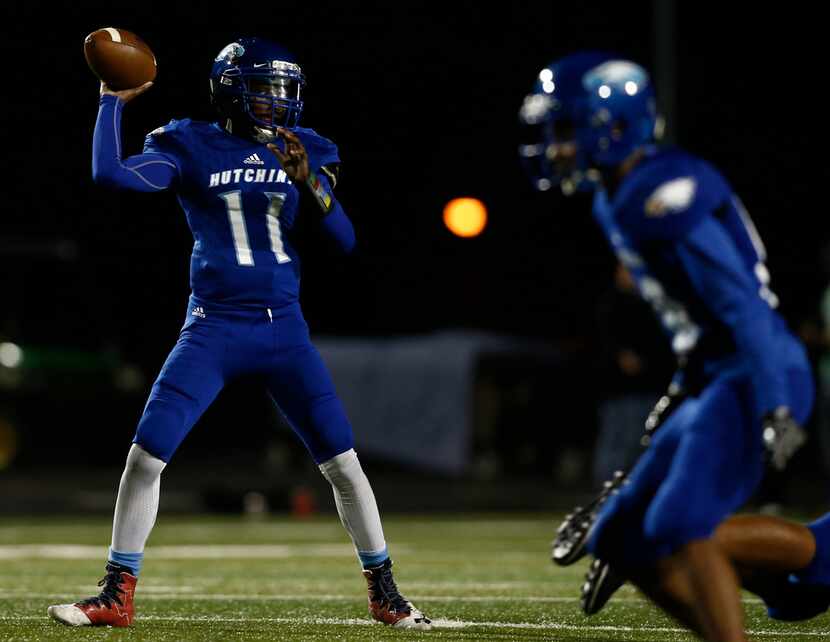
{"points": [[239, 230]]}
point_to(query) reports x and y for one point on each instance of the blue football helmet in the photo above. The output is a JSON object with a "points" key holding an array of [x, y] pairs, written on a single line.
{"points": [[589, 110], [257, 86], [622, 111], [549, 117]]}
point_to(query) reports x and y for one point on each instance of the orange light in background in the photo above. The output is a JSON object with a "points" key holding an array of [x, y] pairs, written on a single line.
{"points": [[465, 217]]}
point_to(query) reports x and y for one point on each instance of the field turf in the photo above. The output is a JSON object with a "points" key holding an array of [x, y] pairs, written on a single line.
{"points": [[484, 577]]}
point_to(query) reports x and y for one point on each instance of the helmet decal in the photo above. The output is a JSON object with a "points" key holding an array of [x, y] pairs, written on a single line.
{"points": [[230, 52], [616, 73]]}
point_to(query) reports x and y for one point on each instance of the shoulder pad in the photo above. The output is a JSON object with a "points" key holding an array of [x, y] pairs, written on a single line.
{"points": [[165, 134], [173, 127], [321, 151], [667, 194], [165, 137]]}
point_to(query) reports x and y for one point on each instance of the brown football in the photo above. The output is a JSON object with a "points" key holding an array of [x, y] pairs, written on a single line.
{"points": [[120, 58]]}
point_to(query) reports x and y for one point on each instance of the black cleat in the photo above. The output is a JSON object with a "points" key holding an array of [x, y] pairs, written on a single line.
{"points": [[387, 605], [600, 584], [569, 544]]}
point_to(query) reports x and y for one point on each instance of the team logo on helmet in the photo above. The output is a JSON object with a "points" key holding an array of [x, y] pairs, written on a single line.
{"points": [[231, 52], [617, 72]]}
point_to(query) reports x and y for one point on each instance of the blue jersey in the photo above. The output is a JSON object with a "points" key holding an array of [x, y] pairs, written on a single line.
{"points": [[675, 223], [239, 203]]}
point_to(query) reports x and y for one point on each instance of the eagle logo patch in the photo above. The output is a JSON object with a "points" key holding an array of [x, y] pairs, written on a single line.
{"points": [[671, 197]]}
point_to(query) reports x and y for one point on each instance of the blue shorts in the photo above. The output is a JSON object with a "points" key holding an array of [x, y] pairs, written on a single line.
{"points": [[218, 344], [702, 465]]}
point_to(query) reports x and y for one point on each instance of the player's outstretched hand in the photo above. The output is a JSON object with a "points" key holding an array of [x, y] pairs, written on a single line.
{"points": [[294, 159], [126, 95], [782, 437]]}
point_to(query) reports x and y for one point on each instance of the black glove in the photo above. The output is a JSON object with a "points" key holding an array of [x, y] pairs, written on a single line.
{"points": [[782, 437]]}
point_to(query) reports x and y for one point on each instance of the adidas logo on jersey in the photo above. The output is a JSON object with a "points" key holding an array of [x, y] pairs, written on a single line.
{"points": [[199, 311], [254, 159]]}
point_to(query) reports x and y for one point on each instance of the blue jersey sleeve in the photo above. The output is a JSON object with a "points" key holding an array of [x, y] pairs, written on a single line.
{"points": [[151, 171], [716, 270], [670, 196], [321, 151], [324, 160]]}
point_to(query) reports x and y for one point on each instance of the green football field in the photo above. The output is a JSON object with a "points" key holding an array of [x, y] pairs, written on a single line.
{"points": [[484, 577]]}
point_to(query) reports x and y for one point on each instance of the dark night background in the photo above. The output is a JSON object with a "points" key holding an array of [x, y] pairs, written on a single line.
{"points": [[422, 100]]}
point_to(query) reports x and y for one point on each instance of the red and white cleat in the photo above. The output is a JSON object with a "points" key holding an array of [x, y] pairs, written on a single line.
{"points": [[112, 607], [387, 605]]}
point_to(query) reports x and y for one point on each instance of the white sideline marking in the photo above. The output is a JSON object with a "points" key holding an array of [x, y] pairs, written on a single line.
{"points": [[165, 589], [439, 624], [143, 596], [264, 551], [471, 586], [486, 526], [148, 594]]}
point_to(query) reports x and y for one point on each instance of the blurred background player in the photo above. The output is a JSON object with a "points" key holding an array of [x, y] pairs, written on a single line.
{"points": [[744, 385], [243, 317]]}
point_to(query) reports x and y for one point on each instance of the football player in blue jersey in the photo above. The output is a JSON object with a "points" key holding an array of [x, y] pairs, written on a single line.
{"points": [[744, 386], [242, 182], [785, 563]]}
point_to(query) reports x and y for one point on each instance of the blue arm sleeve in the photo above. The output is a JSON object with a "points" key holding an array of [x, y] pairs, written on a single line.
{"points": [[336, 223], [722, 280], [143, 172]]}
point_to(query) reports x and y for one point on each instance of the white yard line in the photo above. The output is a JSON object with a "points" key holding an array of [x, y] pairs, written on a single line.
{"points": [[470, 586], [486, 528], [439, 624], [289, 597], [145, 589], [259, 551]]}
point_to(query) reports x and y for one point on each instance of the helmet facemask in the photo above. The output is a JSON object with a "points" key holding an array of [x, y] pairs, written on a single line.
{"points": [[550, 149], [272, 98], [566, 156], [533, 117], [554, 153], [258, 98]]}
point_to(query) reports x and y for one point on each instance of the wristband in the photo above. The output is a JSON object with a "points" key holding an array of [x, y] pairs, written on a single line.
{"points": [[320, 191]]}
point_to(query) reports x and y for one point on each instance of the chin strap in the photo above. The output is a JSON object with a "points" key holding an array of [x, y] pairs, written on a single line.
{"points": [[251, 132], [263, 135]]}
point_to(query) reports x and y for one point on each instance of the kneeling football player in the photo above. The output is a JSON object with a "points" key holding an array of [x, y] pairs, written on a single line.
{"points": [[784, 563], [675, 223]]}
